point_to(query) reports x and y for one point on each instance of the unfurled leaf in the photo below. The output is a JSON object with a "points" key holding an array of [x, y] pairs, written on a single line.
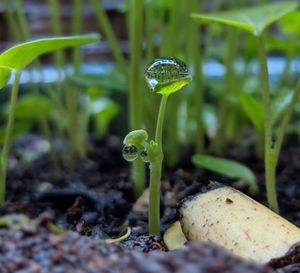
{"points": [[19, 128], [19, 56], [95, 92], [226, 167], [103, 110], [254, 110], [33, 107], [112, 80], [291, 23], [253, 19]]}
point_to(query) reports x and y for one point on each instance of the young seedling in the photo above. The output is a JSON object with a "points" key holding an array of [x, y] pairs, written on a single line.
{"points": [[14, 60], [164, 76], [255, 20]]}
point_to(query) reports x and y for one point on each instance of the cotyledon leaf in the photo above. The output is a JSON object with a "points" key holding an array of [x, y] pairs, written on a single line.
{"points": [[19, 56], [253, 19]]}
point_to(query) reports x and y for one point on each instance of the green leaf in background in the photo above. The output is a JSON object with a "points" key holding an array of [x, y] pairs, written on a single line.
{"points": [[112, 80], [103, 111], [290, 23], [210, 119], [253, 19], [280, 103], [95, 92], [276, 43], [254, 110], [19, 129], [4, 75], [19, 56], [33, 107], [226, 167]]}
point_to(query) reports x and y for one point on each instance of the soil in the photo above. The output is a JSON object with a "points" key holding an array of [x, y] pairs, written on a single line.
{"points": [[94, 202]]}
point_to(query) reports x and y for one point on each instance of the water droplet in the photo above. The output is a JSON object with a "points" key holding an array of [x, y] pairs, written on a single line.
{"points": [[144, 156], [130, 152], [164, 71]]}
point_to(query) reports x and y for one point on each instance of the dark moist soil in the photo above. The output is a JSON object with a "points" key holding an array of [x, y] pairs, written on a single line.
{"points": [[94, 202]]}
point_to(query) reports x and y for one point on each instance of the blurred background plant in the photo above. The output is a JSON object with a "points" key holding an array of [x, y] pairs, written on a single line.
{"points": [[221, 108]]}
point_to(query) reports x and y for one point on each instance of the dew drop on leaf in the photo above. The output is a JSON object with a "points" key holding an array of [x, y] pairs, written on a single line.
{"points": [[144, 156], [165, 70], [130, 152]]}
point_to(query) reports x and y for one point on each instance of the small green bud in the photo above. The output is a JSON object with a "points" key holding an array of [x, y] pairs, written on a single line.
{"points": [[154, 152], [136, 137]]}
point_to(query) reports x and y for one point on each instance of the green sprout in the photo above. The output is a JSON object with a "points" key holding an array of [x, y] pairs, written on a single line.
{"points": [[164, 76], [13, 61], [255, 21]]}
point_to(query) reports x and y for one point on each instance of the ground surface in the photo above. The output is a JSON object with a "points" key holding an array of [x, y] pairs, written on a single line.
{"points": [[94, 202]]}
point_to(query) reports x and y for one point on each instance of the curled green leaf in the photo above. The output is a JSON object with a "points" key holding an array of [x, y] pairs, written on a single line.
{"points": [[136, 137]]}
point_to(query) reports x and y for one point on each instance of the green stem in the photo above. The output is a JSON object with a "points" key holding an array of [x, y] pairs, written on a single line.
{"points": [[135, 96], [59, 57], [21, 21], [160, 120], [196, 56], [7, 136], [110, 35], [10, 18], [224, 103], [149, 20], [270, 161], [285, 121], [171, 48], [76, 29], [155, 173], [154, 198]]}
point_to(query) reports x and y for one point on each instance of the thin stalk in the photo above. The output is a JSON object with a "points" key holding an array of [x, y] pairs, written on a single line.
{"points": [[25, 34], [150, 103], [135, 96], [7, 137], [291, 52], [270, 161], [110, 36], [57, 94], [285, 121], [196, 56], [78, 148], [171, 47], [224, 104], [160, 121], [76, 29], [59, 57], [149, 28], [13, 26], [22, 22], [155, 173]]}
